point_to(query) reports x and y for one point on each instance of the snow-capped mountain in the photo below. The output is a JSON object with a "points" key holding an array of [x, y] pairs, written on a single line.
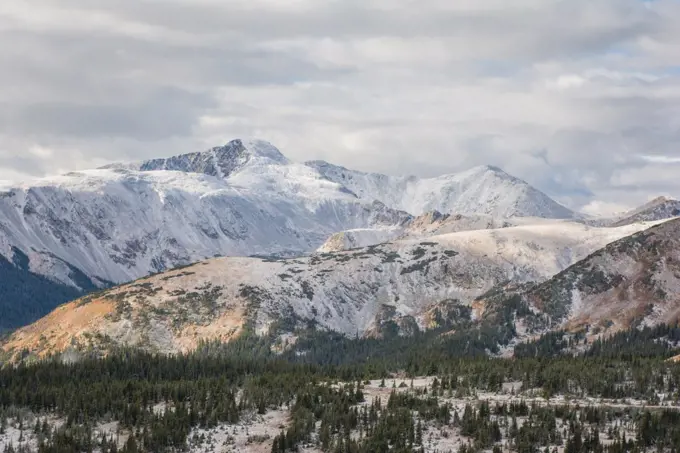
{"points": [[86, 229], [657, 209], [221, 162], [481, 190], [118, 223], [349, 292], [124, 221]]}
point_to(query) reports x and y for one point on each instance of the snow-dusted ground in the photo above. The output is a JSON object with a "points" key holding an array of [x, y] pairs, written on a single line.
{"points": [[254, 434], [447, 438], [20, 431], [511, 392]]}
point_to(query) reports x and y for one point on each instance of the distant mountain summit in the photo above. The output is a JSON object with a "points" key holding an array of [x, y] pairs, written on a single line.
{"points": [[483, 190], [486, 190], [657, 209], [221, 161]]}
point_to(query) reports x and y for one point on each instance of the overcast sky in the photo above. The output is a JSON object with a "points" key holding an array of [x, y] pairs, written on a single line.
{"points": [[579, 97]]}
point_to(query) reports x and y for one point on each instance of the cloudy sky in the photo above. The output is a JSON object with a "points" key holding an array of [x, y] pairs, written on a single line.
{"points": [[579, 97]]}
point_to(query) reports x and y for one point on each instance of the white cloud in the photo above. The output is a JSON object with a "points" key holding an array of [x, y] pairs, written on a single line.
{"points": [[662, 159], [603, 209], [564, 82]]}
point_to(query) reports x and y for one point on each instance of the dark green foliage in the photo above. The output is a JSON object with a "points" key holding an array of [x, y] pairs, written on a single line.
{"points": [[199, 390], [26, 297], [659, 341], [548, 345], [418, 253], [419, 266], [319, 379]]}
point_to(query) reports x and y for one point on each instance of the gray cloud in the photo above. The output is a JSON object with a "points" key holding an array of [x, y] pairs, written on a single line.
{"points": [[163, 114], [575, 96]]}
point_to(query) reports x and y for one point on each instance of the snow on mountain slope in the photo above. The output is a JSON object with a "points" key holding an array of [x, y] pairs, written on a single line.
{"points": [[124, 221], [120, 225], [630, 282], [430, 224], [481, 190], [350, 292], [657, 209], [537, 252], [93, 228], [360, 237]]}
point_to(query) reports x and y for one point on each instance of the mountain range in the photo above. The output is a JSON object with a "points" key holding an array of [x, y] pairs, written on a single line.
{"points": [[357, 292], [303, 242], [72, 233]]}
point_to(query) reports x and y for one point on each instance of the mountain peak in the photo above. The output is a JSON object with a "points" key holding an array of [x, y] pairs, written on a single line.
{"points": [[220, 161], [491, 168], [484, 189], [658, 209], [488, 169], [660, 200], [261, 149]]}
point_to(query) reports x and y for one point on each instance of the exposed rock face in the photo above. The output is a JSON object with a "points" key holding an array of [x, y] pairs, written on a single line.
{"points": [[633, 281], [657, 209]]}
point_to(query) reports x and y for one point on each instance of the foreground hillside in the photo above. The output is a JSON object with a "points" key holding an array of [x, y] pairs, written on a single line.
{"points": [[405, 285]]}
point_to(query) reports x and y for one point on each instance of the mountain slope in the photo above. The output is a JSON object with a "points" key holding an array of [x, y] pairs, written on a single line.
{"points": [[657, 209], [353, 292], [119, 224], [482, 190], [429, 224], [26, 296], [633, 281]]}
